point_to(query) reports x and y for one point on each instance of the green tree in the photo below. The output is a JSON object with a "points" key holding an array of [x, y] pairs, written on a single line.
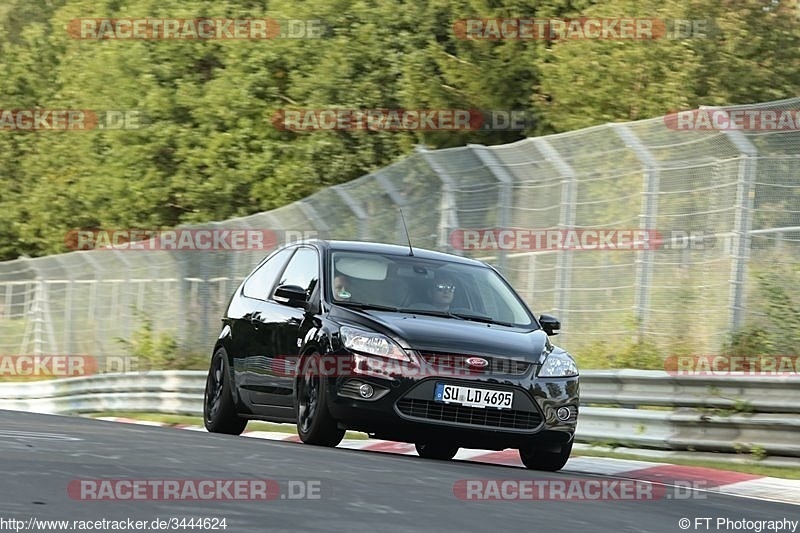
{"points": [[210, 151]]}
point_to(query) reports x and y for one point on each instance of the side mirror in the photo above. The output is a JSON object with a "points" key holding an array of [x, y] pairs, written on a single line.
{"points": [[550, 324], [295, 295]]}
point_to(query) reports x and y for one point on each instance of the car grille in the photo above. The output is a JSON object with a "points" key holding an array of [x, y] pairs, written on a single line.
{"points": [[474, 416], [457, 363]]}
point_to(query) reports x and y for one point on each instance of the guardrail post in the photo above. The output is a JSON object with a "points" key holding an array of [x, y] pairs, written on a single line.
{"points": [[504, 197], [566, 221], [647, 222], [742, 225]]}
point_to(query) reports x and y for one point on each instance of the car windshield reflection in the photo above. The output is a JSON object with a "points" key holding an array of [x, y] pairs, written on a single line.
{"points": [[408, 284]]}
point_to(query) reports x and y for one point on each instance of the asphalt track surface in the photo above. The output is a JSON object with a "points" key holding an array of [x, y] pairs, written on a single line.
{"points": [[360, 491]]}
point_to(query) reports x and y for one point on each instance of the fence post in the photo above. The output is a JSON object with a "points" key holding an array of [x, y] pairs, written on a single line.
{"points": [[357, 210], [647, 222], [532, 278], [505, 201], [569, 197], [69, 343], [448, 219], [319, 224], [183, 262], [742, 225], [398, 200], [40, 317], [219, 263]]}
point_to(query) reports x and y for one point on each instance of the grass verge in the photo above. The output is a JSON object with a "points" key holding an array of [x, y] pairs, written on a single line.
{"points": [[747, 468]]}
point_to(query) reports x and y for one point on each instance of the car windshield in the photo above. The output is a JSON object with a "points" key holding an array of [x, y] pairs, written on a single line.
{"points": [[376, 281]]}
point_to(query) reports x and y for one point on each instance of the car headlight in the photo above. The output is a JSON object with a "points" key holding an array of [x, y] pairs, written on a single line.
{"points": [[558, 365], [359, 340]]}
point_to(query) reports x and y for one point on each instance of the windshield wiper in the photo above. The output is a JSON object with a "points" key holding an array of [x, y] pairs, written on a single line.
{"points": [[366, 306], [434, 312], [481, 318], [461, 316]]}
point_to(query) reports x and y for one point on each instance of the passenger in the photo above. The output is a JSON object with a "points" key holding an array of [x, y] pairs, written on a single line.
{"points": [[341, 290]]}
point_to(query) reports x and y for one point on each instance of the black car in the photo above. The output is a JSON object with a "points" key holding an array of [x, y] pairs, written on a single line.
{"points": [[401, 343]]}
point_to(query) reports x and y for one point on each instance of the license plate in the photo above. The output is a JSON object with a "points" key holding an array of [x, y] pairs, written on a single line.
{"points": [[473, 397]]}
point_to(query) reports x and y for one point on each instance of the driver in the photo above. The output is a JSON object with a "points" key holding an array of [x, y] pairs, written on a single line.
{"points": [[442, 291]]}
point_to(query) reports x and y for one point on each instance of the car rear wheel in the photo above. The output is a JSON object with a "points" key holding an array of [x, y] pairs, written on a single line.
{"points": [[219, 411], [436, 450], [545, 459], [315, 424]]}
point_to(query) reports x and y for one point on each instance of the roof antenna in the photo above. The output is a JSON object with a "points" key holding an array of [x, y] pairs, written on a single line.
{"points": [[408, 237]]}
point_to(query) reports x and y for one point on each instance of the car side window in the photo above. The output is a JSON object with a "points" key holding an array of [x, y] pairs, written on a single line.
{"points": [[261, 283], [302, 270]]}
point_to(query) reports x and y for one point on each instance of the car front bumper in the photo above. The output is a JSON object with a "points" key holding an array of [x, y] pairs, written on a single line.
{"points": [[404, 409]]}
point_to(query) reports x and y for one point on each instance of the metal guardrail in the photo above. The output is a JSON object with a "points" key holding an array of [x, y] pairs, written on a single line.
{"points": [[653, 388], [738, 414]]}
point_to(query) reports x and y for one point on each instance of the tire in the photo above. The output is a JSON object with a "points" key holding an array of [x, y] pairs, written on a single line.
{"points": [[219, 411], [545, 460], [438, 450], [315, 424]]}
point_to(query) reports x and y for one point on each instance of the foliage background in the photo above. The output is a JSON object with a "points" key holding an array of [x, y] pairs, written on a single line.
{"points": [[211, 151]]}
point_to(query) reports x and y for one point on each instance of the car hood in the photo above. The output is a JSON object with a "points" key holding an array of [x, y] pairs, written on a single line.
{"points": [[452, 335]]}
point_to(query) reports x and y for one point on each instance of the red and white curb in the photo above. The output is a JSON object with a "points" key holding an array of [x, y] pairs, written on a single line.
{"points": [[709, 479]]}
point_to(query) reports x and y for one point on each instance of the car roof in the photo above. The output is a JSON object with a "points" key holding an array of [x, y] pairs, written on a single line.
{"points": [[390, 249]]}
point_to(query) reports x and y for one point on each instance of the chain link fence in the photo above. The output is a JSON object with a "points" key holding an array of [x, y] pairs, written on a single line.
{"points": [[736, 193]]}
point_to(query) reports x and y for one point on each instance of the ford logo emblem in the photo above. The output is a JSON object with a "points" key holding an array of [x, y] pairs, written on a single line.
{"points": [[477, 362]]}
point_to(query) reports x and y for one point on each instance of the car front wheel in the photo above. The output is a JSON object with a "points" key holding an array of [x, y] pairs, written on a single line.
{"points": [[544, 459], [219, 412], [315, 424]]}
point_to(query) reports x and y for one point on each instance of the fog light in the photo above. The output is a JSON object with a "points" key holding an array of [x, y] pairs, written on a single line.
{"points": [[563, 413], [366, 391]]}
